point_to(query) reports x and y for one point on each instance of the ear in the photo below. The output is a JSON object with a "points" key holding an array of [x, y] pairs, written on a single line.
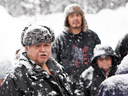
{"points": [[26, 48]]}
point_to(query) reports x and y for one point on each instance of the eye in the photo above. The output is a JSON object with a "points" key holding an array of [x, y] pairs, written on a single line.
{"points": [[47, 44], [71, 15], [78, 14], [38, 45]]}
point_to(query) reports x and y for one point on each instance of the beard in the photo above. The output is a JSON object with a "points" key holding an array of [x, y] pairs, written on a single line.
{"points": [[76, 25], [41, 63]]}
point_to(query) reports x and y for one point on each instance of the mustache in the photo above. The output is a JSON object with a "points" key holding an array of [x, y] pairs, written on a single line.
{"points": [[75, 21], [43, 54]]}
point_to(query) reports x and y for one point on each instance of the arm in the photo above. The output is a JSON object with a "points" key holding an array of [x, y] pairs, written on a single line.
{"points": [[8, 87], [85, 81]]}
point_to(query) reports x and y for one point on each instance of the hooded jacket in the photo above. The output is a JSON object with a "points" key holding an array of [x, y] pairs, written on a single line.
{"points": [[92, 77], [116, 85], [29, 79], [122, 47]]}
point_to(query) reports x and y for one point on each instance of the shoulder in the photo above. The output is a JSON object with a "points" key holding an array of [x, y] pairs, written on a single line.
{"points": [[93, 35], [54, 64], [114, 83], [91, 32], [88, 73], [61, 37], [124, 39], [14, 75], [16, 70]]}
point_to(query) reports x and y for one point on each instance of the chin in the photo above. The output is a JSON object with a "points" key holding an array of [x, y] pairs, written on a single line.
{"points": [[77, 27], [42, 62]]}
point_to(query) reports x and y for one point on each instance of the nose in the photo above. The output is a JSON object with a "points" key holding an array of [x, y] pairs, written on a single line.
{"points": [[42, 48]]}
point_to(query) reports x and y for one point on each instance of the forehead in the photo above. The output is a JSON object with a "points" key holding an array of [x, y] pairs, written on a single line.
{"points": [[75, 13], [44, 43]]}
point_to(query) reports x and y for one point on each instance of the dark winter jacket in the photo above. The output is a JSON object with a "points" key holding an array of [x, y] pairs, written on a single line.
{"points": [[29, 79], [122, 47], [74, 51], [92, 77], [116, 85]]}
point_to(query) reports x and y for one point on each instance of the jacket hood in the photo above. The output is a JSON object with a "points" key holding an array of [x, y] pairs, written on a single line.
{"points": [[74, 8], [123, 67], [101, 50]]}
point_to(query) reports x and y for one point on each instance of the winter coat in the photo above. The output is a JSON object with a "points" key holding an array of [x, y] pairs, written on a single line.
{"points": [[116, 85], [29, 79], [122, 47], [92, 77], [74, 51]]}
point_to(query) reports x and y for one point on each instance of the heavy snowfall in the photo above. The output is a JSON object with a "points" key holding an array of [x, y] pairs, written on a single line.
{"points": [[110, 25]]}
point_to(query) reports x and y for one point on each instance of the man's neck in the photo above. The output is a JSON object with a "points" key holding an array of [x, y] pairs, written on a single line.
{"points": [[75, 30], [45, 67]]}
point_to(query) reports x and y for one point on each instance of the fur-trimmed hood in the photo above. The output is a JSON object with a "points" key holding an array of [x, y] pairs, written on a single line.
{"points": [[71, 9]]}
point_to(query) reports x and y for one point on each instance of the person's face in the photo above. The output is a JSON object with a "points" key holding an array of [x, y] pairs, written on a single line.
{"points": [[39, 53], [75, 20], [104, 62]]}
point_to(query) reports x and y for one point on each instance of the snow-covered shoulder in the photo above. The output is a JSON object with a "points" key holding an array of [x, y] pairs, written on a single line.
{"points": [[123, 67], [115, 83], [88, 73]]}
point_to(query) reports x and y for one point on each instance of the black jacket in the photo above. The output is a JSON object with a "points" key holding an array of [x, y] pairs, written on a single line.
{"points": [[74, 51], [122, 47], [29, 79], [92, 77], [116, 85]]}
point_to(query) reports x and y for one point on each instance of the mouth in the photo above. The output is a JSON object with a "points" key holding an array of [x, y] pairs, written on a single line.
{"points": [[43, 55], [75, 22]]}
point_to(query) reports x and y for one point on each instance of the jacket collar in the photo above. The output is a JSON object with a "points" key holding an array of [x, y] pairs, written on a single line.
{"points": [[36, 70]]}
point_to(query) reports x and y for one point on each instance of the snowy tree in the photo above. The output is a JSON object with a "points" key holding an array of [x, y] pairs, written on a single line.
{"points": [[31, 7]]}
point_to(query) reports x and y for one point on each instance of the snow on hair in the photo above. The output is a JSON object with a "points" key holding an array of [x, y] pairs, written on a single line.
{"points": [[71, 9]]}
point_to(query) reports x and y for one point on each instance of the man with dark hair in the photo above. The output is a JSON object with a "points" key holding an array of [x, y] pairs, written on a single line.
{"points": [[74, 47], [36, 73]]}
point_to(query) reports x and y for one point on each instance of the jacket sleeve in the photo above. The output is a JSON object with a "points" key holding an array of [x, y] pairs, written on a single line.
{"points": [[81, 88], [8, 87], [96, 38]]}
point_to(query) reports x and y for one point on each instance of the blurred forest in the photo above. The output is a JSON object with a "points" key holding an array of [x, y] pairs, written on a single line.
{"points": [[31, 7]]}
